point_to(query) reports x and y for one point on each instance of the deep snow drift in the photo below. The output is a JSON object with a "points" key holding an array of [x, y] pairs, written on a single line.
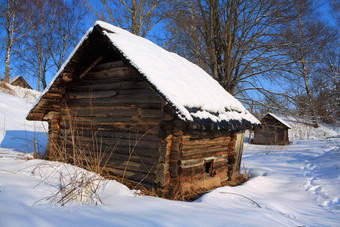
{"points": [[292, 185]]}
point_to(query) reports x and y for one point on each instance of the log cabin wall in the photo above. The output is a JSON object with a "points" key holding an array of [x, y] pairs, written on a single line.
{"points": [[114, 111], [198, 160], [272, 133], [21, 83], [99, 105]]}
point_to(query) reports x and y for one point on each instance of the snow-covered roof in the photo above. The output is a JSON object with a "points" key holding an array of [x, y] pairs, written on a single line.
{"points": [[14, 79], [277, 118], [193, 93]]}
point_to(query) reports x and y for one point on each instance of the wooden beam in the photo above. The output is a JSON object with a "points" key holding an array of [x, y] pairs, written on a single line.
{"points": [[93, 64]]}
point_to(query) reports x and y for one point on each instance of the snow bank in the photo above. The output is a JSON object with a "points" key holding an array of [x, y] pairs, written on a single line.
{"points": [[27, 94], [302, 129], [15, 131]]}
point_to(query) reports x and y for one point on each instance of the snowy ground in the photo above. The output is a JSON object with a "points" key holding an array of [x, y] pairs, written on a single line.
{"points": [[294, 185]]}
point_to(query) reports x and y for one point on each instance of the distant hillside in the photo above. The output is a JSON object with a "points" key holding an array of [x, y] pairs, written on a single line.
{"points": [[302, 129]]}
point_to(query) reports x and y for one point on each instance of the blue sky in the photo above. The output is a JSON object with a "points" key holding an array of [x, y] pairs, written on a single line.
{"points": [[324, 12]]}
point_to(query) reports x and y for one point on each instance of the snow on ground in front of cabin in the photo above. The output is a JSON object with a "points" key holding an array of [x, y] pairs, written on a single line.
{"points": [[292, 185]]}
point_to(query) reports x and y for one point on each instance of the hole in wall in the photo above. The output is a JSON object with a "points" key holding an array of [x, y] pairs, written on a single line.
{"points": [[209, 168]]}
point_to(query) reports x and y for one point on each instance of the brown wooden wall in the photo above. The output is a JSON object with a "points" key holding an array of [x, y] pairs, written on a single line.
{"points": [[113, 111], [21, 83], [114, 105], [273, 132], [271, 135], [199, 159]]}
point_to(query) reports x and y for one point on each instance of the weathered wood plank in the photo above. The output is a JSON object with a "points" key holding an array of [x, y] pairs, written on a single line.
{"points": [[135, 176], [93, 64], [133, 136], [122, 72], [110, 86], [108, 65], [82, 141], [90, 95]]}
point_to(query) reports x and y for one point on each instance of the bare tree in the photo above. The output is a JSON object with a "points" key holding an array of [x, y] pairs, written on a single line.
{"points": [[69, 25], [138, 16], [49, 42], [305, 37], [327, 84], [14, 19], [231, 40], [335, 10]]}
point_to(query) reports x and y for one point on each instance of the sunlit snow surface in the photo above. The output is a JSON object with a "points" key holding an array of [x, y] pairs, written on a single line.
{"points": [[294, 185]]}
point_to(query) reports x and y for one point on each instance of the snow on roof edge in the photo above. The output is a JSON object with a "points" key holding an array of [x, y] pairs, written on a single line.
{"points": [[14, 79], [279, 119]]}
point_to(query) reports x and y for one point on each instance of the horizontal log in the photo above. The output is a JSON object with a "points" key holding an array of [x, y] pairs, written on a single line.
{"points": [[82, 141], [192, 171], [187, 148], [53, 95], [102, 86], [149, 113], [117, 120], [119, 100], [133, 136], [90, 95], [35, 116], [131, 166], [112, 80], [130, 175], [113, 72], [156, 105], [137, 156], [108, 65], [192, 163], [54, 89], [122, 152], [114, 126], [205, 154], [221, 163], [101, 112], [112, 160], [205, 142]]}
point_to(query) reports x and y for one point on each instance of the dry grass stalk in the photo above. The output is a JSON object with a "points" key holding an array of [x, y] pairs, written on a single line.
{"points": [[75, 186]]}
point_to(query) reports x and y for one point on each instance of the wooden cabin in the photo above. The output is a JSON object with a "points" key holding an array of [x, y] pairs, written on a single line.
{"points": [[19, 81], [274, 131], [157, 118]]}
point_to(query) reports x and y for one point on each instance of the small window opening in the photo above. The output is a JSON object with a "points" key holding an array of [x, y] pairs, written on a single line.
{"points": [[209, 168]]}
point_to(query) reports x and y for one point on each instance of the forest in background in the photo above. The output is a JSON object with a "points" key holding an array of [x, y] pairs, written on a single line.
{"points": [[273, 55]]}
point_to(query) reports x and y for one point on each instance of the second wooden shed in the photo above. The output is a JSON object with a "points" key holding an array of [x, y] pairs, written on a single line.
{"points": [[274, 131], [19, 81]]}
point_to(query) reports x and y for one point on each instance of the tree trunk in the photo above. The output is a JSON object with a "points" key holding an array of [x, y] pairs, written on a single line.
{"points": [[311, 102], [8, 55]]}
